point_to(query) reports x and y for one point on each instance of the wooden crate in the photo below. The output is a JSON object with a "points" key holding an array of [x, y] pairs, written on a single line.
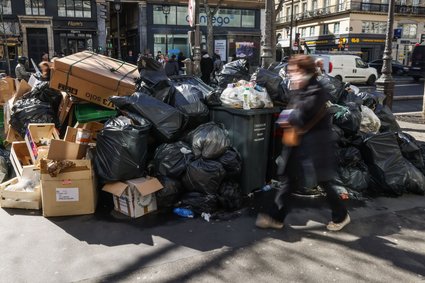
{"points": [[21, 200]]}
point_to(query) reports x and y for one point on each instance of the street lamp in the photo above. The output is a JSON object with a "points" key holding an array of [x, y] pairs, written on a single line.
{"points": [[117, 7], [385, 83], [267, 52], [166, 11]]}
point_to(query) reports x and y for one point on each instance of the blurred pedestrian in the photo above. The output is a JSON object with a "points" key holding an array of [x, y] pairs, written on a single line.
{"points": [[45, 71], [218, 65], [320, 66], [172, 67], [158, 55], [309, 116], [21, 70], [131, 58], [207, 67], [180, 60], [45, 57], [161, 59]]}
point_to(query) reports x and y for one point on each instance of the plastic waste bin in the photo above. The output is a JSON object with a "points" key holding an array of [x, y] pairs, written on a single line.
{"points": [[249, 132], [88, 112]]}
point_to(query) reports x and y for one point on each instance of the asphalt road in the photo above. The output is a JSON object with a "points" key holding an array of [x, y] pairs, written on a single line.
{"points": [[404, 86]]}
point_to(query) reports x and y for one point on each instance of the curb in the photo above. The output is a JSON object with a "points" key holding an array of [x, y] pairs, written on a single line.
{"points": [[408, 113], [408, 97]]}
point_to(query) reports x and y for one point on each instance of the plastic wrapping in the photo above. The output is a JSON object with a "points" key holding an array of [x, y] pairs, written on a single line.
{"points": [[121, 150], [233, 97], [388, 121], [230, 196], [232, 163], [31, 110], [167, 121], [370, 122], [209, 140], [204, 176], [348, 118], [411, 150], [232, 72], [171, 160], [170, 194], [392, 173]]}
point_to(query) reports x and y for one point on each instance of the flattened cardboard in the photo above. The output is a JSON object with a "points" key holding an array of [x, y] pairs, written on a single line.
{"points": [[79, 180], [116, 188], [108, 72]]}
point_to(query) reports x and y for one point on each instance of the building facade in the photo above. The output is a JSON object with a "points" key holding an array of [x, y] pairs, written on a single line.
{"points": [[354, 26], [149, 27], [52, 26]]}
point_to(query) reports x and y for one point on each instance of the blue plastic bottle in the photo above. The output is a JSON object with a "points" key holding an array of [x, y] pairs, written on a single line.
{"points": [[183, 212]]}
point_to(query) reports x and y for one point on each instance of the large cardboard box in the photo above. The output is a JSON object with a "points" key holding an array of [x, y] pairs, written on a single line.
{"points": [[7, 89], [40, 134], [67, 148], [72, 192], [93, 77], [22, 200], [21, 161], [135, 197]]}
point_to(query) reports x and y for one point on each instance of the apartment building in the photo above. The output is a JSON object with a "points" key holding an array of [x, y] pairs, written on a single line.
{"points": [[354, 26]]}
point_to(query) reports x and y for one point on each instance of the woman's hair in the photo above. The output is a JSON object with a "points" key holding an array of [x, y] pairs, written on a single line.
{"points": [[304, 62], [47, 73]]}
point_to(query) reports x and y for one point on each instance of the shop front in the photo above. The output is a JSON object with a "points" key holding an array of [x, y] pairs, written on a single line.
{"points": [[236, 32], [13, 43], [74, 36]]}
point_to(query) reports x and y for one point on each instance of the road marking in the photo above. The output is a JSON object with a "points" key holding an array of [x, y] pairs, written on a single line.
{"points": [[409, 85]]}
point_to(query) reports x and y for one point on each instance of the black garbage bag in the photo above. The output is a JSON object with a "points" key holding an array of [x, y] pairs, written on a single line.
{"points": [[204, 176], [135, 118], [356, 177], [172, 159], [349, 97], [233, 72], [213, 98], [411, 150], [271, 81], [348, 118], [369, 99], [276, 67], [170, 194], [164, 91], [31, 110], [230, 196], [188, 100], [391, 173], [151, 72], [232, 163], [209, 140], [334, 87], [46, 94], [6, 169], [121, 150], [388, 121], [167, 121], [349, 156], [199, 202]]}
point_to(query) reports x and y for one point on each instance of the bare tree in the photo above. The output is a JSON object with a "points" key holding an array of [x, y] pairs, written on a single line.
{"points": [[210, 28], [277, 11]]}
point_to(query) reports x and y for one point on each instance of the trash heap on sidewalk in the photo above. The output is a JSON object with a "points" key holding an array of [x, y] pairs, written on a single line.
{"points": [[146, 141]]}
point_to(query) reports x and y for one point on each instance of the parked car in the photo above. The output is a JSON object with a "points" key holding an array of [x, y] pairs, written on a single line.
{"points": [[397, 67], [417, 69], [349, 68]]}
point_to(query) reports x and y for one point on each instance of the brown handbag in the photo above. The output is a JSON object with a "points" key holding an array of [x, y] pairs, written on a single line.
{"points": [[292, 135]]}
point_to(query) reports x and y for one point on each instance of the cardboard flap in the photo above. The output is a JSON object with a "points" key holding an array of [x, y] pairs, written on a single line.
{"points": [[63, 150], [116, 188], [146, 186]]}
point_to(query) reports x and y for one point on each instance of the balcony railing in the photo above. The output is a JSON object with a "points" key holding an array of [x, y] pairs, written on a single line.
{"points": [[353, 6]]}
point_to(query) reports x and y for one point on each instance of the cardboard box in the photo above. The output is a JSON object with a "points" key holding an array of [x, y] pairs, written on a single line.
{"points": [[7, 89], [135, 197], [72, 192], [21, 161], [22, 200], [12, 135], [94, 127], [93, 77], [39, 133], [22, 88], [65, 107], [67, 148]]}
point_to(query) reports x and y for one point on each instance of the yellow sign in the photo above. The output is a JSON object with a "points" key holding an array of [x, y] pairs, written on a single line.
{"points": [[355, 40], [75, 24], [313, 42], [373, 40]]}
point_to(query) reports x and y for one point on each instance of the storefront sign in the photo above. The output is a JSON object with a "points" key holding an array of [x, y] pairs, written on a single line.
{"points": [[244, 49], [220, 48], [317, 42], [369, 40], [75, 24]]}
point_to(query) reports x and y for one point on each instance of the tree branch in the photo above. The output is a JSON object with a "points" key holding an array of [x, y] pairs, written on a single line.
{"points": [[218, 7]]}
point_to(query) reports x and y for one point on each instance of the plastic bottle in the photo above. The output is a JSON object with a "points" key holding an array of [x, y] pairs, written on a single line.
{"points": [[246, 95], [183, 212]]}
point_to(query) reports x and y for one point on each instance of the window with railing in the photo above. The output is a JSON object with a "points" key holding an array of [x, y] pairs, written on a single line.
{"points": [[35, 7], [341, 4], [374, 27], [327, 6], [408, 30], [74, 8], [288, 13], [314, 6], [6, 7]]}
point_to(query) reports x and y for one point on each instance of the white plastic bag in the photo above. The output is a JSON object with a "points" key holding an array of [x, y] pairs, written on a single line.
{"points": [[370, 122]]}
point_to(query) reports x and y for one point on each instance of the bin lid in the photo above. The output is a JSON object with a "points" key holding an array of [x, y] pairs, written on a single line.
{"points": [[250, 112]]}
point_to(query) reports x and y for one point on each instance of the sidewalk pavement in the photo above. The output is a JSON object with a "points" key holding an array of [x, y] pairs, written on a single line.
{"points": [[384, 243]]}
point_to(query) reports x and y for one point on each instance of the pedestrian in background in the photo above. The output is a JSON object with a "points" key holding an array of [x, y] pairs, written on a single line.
{"points": [[218, 65], [180, 60], [21, 70], [161, 60], [131, 58], [45, 71], [320, 67], [45, 57], [172, 67], [309, 114], [158, 55], [207, 67]]}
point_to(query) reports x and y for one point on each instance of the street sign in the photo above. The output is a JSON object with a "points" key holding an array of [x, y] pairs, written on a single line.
{"points": [[191, 6], [397, 32]]}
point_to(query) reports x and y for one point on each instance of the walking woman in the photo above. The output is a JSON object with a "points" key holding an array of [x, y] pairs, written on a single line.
{"points": [[309, 117]]}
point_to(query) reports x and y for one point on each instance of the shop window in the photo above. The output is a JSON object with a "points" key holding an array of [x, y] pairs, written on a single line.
{"points": [[6, 6], [336, 28], [408, 30], [74, 8], [248, 18], [160, 18], [35, 7], [326, 29], [312, 31], [75, 42]]}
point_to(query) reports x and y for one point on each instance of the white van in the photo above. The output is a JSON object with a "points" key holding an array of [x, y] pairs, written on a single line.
{"points": [[348, 68]]}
